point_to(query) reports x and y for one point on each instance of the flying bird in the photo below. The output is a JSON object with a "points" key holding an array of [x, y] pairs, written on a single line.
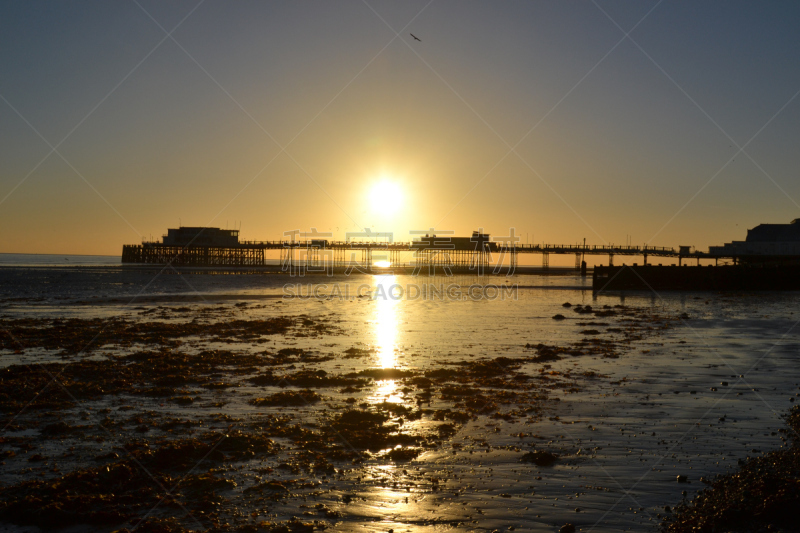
{"points": [[415, 37]]}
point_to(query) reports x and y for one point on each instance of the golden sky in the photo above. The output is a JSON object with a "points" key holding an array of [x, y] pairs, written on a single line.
{"points": [[664, 123]]}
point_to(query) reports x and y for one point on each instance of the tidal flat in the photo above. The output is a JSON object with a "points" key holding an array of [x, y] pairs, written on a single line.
{"points": [[238, 409]]}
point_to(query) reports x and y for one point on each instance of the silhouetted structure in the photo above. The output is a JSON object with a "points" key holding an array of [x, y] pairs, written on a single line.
{"points": [[764, 244], [692, 278], [778, 243], [768, 259], [198, 236], [445, 251]]}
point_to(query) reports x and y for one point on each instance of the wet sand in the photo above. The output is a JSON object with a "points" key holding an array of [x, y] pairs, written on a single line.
{"points": [[377, 415], [761, 495]]}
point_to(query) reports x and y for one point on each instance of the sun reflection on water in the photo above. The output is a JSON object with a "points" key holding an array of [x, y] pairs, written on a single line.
{"points": [[387, 311], [387, 390], [386, 318]]}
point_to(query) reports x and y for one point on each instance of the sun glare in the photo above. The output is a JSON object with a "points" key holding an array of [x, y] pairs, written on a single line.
{"points": [[386, 197]]}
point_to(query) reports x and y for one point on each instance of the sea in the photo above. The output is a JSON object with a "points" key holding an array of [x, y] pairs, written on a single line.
{"points": [[646, 430]]}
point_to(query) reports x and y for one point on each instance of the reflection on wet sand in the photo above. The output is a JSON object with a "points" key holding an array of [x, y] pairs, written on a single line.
{"points": [[386, 390], [385, 322], [385, 325]]}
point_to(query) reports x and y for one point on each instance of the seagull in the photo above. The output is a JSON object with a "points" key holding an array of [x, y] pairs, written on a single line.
{"points": [[415, 37]]}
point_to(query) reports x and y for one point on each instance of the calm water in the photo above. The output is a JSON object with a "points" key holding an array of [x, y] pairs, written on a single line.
{"points": [[661, 410], [17, 260]]}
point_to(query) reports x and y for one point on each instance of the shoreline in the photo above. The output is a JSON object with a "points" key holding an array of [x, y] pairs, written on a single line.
{"points": [[761, 495]]}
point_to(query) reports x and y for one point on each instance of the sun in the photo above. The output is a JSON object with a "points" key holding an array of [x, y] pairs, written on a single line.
{"points": [[386, 197]]}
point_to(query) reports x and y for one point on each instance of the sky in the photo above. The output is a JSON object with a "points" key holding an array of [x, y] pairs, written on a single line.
{"points": [[662, 123]]}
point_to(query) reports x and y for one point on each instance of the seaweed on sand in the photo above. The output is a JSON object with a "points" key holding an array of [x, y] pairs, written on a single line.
{"points": [[288, 398], [366, 430], [79, 335], [122, 491], [148, 373]]}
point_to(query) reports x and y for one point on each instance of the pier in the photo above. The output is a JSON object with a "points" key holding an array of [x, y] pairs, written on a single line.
{"points": [[213, 247]]}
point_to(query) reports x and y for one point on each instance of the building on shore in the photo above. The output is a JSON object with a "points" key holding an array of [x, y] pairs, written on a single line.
{"points": [[765, 240]]}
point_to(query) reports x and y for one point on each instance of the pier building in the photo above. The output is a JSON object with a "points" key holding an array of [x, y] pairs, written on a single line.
{"points": [[199, 236], [765, 242]]}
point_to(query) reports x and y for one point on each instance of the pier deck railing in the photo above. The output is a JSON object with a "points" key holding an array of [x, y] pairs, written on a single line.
{"points": [[440, 251]]}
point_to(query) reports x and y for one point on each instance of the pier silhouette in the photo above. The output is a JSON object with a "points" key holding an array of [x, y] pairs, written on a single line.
{"points": [[215, 247]]}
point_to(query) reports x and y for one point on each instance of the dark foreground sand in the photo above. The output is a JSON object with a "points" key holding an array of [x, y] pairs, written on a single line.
{"points": [[763, 495], [181, 417]]}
